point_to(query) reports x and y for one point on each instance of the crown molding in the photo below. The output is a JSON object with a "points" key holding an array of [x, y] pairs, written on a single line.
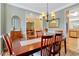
{"points": [[19, 6], [38, 12], [68, 5]]}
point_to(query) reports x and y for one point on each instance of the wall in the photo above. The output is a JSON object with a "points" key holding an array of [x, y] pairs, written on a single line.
{"points": [[38, 24], [2, 25], [33, 16], [3, 21], [11, 11], [62, 21], [0, 28], [6, 12], [0, 18], [62, 15]]}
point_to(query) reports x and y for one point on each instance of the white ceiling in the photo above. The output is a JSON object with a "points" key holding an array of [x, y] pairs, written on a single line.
{"points": [[42, 7]]}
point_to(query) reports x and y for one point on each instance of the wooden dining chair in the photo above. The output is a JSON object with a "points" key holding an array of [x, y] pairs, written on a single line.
{"points": [[56, 44], [7, 43], [39, 34], [46, 42]]}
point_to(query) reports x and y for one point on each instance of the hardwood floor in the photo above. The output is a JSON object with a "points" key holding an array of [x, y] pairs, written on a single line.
{"points": [[69, 53]]}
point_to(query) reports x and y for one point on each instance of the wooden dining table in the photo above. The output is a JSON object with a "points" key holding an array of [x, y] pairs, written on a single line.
{"points": [[25, 48], [18, 49]]}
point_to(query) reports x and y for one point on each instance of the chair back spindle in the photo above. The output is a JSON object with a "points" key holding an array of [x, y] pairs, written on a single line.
{"points": [[56, 44], [46, 43]]}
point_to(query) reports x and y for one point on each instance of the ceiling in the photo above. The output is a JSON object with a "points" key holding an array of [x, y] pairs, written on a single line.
{"points": [[42, 7]]}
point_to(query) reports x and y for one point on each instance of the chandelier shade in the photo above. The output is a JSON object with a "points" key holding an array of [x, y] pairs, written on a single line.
{"points": [[46, 16]]}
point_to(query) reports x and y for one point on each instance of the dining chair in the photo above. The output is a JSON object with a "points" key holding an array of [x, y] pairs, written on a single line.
{"points": [[7, 43], [56, 44], [39, 34], [46, 42], [65, 47], [63, 39]]}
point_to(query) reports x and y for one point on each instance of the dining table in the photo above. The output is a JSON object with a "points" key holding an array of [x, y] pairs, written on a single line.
{"points": [[24, 47]]}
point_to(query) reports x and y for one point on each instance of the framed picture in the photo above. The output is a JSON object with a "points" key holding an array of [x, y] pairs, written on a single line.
{"points": [[53, 24]]}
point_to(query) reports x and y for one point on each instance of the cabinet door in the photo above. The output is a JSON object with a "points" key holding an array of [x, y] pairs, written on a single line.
{"points": [[78, 33], [73, 34]]}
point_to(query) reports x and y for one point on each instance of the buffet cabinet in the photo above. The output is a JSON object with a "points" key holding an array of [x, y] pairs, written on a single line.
{"points": [[74, 33], [73, 40], [16, 35]]}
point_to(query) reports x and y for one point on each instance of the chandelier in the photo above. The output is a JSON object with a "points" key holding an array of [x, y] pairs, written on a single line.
{"points": [[46, 16]]}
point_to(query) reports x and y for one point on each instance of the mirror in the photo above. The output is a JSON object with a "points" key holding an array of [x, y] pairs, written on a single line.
{"points": [[16, 24]]}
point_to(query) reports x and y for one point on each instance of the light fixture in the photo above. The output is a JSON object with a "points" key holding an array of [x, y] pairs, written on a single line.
{"points": [[46, 16]]}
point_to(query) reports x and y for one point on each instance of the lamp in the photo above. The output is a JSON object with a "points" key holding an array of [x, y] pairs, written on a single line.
{"points": [[46, 15]]}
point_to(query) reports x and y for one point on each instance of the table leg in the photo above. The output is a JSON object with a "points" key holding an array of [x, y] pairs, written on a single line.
{"points": [[65, 46]]}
